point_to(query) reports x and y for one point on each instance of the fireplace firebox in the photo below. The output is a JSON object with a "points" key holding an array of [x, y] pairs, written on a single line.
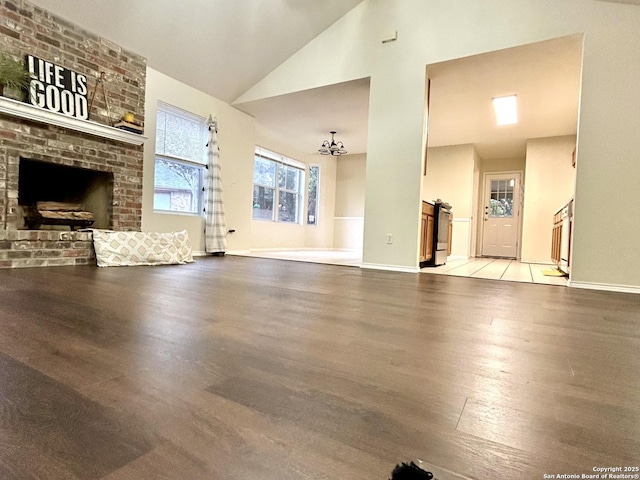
{"points": [[85, 193]]}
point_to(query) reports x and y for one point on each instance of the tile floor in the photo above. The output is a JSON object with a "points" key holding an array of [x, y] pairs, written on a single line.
{"points": [[491, 268], [497, 269]]}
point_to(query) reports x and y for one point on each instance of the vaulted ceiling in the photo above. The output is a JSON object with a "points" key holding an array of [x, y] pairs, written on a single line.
{"points": [[224, 47], [221, 47]]}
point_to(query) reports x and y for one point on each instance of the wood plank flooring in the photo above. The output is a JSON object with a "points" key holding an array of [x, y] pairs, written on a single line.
{"points": [[246, 368]]}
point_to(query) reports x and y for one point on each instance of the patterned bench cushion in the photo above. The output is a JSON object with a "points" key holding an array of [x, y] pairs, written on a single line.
{"points": [[114, 249]]}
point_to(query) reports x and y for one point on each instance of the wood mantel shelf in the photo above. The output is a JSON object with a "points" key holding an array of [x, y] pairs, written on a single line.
{"points": [[37, 114]]}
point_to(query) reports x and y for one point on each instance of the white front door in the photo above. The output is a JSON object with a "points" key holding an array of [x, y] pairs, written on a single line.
{"points": [[501, 215]]}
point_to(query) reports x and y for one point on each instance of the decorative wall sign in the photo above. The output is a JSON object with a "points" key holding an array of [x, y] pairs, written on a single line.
{"points": [[57, 88]]}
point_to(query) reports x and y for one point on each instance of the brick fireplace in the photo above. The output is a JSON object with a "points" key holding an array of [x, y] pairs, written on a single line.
{"points": [[55, 159]]}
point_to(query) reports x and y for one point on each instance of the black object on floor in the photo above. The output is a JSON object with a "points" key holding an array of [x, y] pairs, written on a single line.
{"points": [[410, 471]]}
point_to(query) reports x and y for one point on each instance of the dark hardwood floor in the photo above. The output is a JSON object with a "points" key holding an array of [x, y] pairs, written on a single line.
{"points": [[245, 368]]}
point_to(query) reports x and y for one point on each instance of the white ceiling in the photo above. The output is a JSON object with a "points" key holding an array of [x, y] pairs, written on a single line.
{"points": [[303, 120], [224, 47], [545, 76], [221, 47]]}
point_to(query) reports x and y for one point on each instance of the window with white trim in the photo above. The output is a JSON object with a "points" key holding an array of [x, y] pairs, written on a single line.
{"points": [[313, 194], [181, 139], [278, 187]]}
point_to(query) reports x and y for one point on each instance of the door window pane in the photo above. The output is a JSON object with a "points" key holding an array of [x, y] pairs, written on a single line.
{"points": [[501, 201]]}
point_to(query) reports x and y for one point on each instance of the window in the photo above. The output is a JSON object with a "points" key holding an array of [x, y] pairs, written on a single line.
{"points": [[181, 139], [501, 201], [277, 181], [314, 182]]}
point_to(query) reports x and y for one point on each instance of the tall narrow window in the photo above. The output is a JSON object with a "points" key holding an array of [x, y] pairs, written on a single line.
{"points": [[264, 188], [278, 187], [180, 160], [314, 183]]}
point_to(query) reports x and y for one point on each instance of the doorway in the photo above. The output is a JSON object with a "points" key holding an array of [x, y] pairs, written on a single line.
{"points": [[464, 144], [501, 215]]}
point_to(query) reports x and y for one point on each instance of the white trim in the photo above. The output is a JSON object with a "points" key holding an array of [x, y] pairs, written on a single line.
{"points": [[37, 114], [279, 158], [451, 258], [241, 253], [461, 220], [179, 112], [301, 249], [175, 212], [606, 287], [538, 262], [390, 268], [199, 253], [348, 218]]}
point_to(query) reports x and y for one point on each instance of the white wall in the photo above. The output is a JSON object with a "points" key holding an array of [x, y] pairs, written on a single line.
{"points": [[238, 135], [236, 140], [549, 184], [440, 30], [350, 195], [450, 174], [494, 165], [274, 235]]}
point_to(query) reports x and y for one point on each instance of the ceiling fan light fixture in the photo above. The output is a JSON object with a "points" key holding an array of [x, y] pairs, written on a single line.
{"points": [[506, 109], [332, 147]]}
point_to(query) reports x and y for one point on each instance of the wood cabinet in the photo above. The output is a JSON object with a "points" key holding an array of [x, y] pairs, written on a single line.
{"points": [[561, 237], [426, 232]]}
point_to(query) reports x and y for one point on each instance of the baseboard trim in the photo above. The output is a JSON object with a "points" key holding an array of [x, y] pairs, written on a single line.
{"points": [[606, 287], [390, 268], [239, 252], [297, 249]]}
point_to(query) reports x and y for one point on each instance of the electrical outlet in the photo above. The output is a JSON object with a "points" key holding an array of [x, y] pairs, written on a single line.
{"points": [[389, 239]]}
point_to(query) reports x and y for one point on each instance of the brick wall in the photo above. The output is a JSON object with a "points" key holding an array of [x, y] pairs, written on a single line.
{"points": [[28, 29]]}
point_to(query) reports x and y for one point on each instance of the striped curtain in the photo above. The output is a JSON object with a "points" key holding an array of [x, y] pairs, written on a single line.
{"points": [[215, 226]]}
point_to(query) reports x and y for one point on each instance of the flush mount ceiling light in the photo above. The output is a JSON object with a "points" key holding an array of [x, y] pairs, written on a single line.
{"points": [[506, 109], [332, 147]]}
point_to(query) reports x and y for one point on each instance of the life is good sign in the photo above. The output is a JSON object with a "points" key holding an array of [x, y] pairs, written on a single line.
{"points": [[57, 88]]}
